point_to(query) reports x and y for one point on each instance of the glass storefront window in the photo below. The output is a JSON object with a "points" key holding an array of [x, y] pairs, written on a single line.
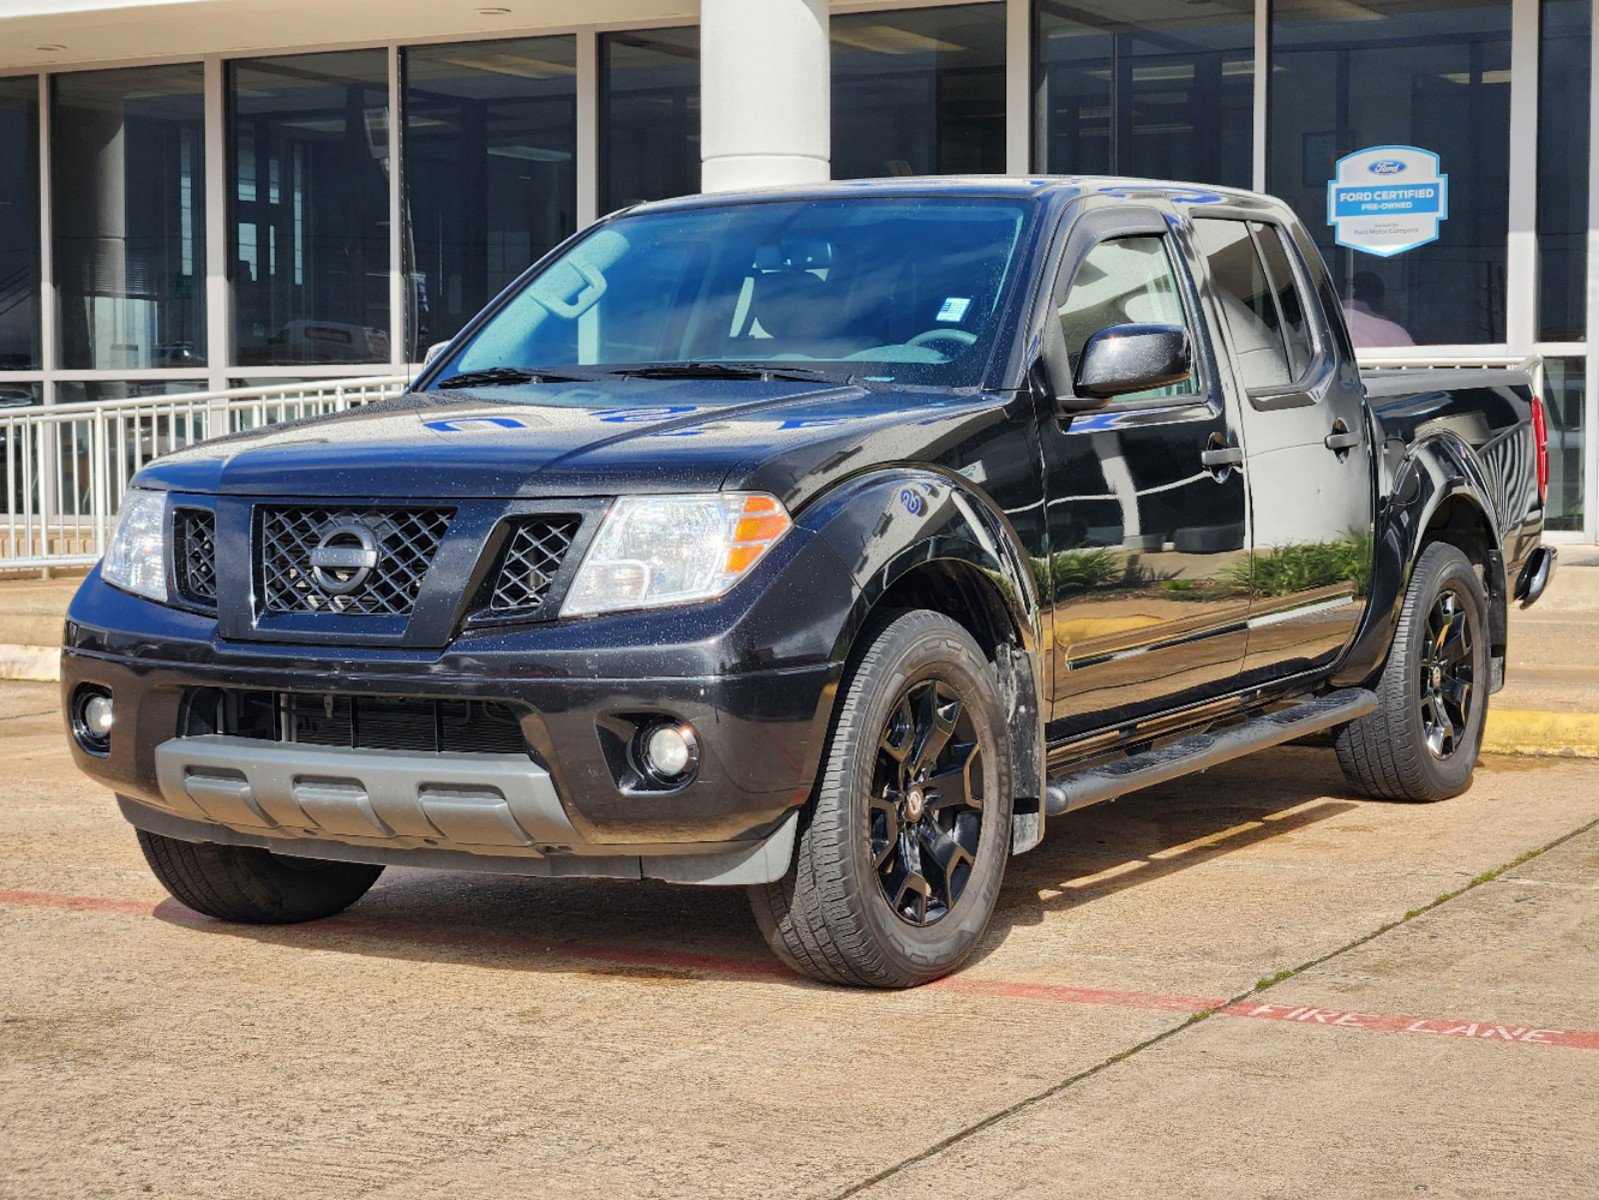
{"points": [[16, 481], [1565, 400], [649, 116], [1563, 148], [19, 224], [308, 176], [1163, 92], [1428, 73], [19, 395], [919, 91], [128, 188], [99, 390], [490, 172]]}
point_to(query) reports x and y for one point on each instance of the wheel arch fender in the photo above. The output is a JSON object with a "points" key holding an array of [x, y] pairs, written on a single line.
{"points": [[1440, 492], [919, 537]]}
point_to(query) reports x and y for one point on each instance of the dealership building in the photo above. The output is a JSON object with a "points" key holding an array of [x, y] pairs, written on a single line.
{"points": [[201, 194]]}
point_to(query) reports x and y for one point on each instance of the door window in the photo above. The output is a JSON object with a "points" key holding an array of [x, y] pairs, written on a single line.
{"points": [[1294, 324], [1260, 300], [1125, 281]]}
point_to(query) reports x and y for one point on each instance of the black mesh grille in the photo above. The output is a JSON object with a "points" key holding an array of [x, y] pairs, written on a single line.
{"points": [[531, 561], [420, 726], [194, 554], [406, 538]]}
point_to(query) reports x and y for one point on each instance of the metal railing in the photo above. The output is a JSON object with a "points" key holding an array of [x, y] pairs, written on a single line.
{"points": [[65, 467]]}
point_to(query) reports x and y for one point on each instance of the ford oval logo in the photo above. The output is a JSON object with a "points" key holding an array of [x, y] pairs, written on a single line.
{"points": [[1386, 166]]}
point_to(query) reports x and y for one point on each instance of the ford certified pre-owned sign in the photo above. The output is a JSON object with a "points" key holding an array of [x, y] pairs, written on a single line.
{"points": [[1387, 199]]}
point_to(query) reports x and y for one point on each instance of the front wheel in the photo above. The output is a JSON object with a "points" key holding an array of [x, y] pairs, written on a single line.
{"points": [[1422, 742], [900, 858], [253, 886]]}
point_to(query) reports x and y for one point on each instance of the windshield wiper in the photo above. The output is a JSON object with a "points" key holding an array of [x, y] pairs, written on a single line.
{"points": [[493, 376], [725, 370]]}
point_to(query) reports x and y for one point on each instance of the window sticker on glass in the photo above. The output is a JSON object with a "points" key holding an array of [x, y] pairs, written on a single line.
{"points": [[954, 309]]}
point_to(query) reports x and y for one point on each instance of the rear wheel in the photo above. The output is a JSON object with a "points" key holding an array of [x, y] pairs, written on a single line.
{"points": [[253, 886], [1422, 743], [900, 859]]}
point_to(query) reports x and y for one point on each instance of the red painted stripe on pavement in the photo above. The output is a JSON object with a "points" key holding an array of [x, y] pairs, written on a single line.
{"points": [[741, 968], [1062, 994], [91, 903]]}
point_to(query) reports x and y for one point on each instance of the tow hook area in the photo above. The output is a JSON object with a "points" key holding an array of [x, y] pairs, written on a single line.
{"points": [[1535, 576]]}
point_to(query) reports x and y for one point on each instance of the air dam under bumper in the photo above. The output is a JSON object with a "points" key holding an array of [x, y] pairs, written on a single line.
{"points": [[488, 812]]}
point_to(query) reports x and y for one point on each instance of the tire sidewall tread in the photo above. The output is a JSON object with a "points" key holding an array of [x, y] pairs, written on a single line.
{"points": [[1385, 753], [827, 918], [248, 885]]}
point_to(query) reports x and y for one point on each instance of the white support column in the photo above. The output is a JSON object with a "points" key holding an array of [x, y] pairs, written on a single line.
{"points": [[399, 284], [765, 93], [218, 323], [1521, 263], [1019, 88], [588, 128], [1262, 97], [49, 354], [49, 358]]}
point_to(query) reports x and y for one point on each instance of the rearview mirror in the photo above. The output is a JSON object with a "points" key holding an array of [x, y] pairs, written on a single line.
{"points": [[1130, 358], [433, 351]]}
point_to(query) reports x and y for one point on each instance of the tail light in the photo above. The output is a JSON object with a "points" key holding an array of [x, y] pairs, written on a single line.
{"points": [[1540, 436]]}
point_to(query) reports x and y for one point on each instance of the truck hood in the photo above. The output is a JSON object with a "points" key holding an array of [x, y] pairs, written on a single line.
{"points": [[608, 437]]}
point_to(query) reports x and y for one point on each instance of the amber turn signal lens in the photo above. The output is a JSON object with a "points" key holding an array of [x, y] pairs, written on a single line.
{"points": [[760, 524]]}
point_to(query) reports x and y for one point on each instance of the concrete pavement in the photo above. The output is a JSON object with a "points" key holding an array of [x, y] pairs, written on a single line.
{"points": [[497, 1036]]}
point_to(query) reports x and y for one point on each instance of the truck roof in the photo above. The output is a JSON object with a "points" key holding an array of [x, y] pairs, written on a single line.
{"points": [[950, 185]]}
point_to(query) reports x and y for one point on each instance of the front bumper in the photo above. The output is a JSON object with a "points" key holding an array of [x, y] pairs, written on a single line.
{"points": [[485, 812], [559, 809]]}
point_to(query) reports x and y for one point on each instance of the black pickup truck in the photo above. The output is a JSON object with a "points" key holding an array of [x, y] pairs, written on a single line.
{"points": [[823, 542]]}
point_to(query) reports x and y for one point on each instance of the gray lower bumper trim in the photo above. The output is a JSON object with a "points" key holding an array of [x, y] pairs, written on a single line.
{"points": [[487, 812]]}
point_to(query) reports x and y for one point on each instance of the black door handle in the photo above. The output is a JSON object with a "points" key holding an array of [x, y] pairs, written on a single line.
{"points": [[1342, 438]]}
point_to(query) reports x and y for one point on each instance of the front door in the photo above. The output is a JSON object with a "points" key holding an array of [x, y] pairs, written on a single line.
{"points": [[1304, 420], [1148, 567]]}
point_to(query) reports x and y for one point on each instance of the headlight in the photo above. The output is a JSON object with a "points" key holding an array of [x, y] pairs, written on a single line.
{"points": [[136, 559], [658, 550]]}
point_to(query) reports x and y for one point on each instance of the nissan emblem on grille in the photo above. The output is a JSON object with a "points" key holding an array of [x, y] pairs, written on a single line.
{"points": [[366, 562], [343, 559]]}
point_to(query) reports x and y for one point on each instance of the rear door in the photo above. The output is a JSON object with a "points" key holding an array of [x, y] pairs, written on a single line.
{"points": [[1304, 422], [1148, 567]]}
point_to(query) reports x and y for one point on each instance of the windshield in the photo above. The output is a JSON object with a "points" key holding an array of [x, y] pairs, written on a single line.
{"points": [[902, 289]]}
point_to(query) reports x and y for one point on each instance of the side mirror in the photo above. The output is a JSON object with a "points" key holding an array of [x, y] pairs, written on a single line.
{"points": [[433, 351], [1129, 358]]}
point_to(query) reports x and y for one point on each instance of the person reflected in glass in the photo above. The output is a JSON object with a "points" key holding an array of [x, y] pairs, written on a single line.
{"points": [[1368, 328]]}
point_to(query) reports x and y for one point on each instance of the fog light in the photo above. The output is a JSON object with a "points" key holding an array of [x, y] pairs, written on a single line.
{"points": [[670, 751], [92, 719], [99, 717]]}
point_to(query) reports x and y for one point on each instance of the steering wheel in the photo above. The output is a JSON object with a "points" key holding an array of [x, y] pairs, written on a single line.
{"points": [[959, 336]]}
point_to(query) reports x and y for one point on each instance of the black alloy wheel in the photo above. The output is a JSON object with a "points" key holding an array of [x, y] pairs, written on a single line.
{"points": [[1448, 686], [925, 813]]}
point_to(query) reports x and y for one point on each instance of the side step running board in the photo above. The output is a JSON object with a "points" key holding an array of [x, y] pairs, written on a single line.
{"points": [[1090, 786]]}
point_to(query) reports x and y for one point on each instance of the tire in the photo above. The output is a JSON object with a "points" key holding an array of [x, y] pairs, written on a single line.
{"points": [[1402, 751], [921, 704], [252, 886]]}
